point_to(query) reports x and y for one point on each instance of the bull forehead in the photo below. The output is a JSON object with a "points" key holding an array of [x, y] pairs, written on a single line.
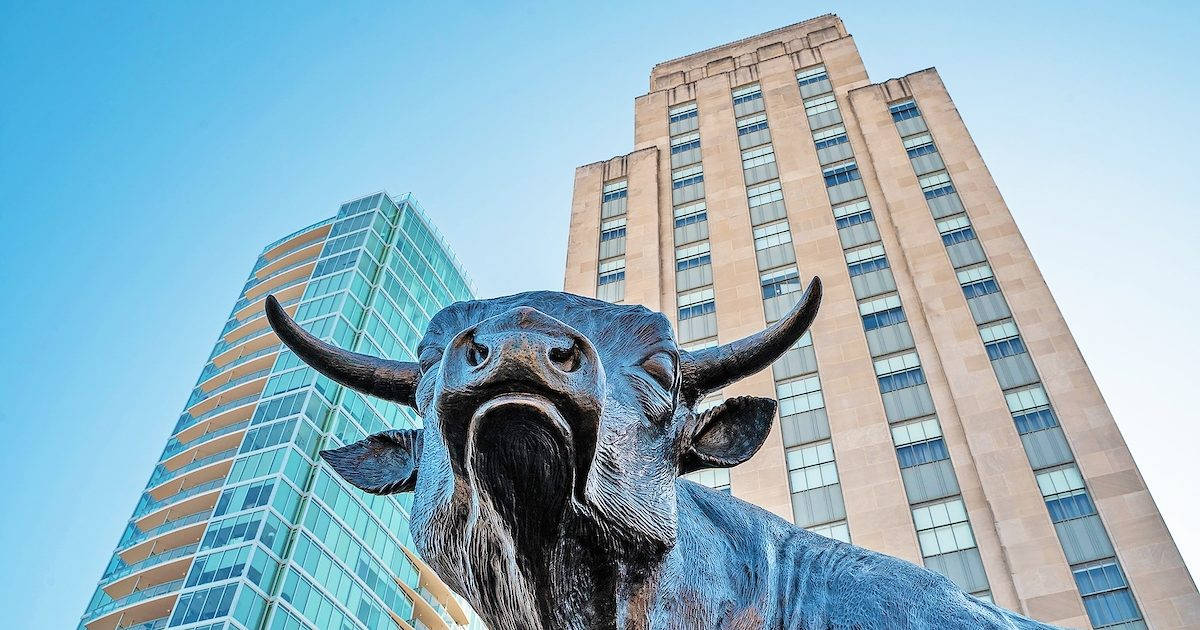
{"points": [[612, 328]]}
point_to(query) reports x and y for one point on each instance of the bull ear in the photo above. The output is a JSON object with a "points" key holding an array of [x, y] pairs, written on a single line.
{"points": [[727, 434], [384, 463]]}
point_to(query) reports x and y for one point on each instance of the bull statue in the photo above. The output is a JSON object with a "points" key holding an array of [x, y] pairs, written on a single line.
{"points": [[546, 477]]}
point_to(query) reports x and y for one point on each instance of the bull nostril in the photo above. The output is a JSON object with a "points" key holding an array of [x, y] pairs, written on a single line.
{"points": [[476, 354], [565, 359]]}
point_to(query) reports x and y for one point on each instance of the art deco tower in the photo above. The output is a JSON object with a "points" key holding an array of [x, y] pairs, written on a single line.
{"points": [[939, 410], [241, 526]]}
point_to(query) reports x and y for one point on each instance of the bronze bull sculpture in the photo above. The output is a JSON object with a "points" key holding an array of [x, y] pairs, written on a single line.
{"points": [[546, 477]]}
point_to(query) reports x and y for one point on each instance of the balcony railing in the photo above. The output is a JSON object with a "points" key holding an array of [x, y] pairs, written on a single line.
{"points": [[190, 519], [254, 282], [211, 369], [234, 324], [246, 301], [161, 474], [152, 506], [156, 624], [223, 346], [245, 378], [263, 262], [158, 558], [175, 447], [187, 421], [133, 598]]}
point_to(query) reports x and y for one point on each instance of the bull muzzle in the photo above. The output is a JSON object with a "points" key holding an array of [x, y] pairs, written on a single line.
{"points": [[522, 385]]}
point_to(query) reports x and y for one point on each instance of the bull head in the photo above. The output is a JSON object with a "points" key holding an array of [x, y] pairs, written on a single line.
{"points": [[546, 416]]}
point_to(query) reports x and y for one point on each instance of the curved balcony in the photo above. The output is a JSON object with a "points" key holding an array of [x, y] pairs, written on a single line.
{"points": [[190, 427], [146, 604], [175, 447], [223, 376], [247, 345], [164, 566], [253, 316], [234, 382], [245, 302], [215, 370], [166, 534], [289, 257], [154, 624], [433, 589], [299, 272], [149, 506], [183, 474], [297, 239]]}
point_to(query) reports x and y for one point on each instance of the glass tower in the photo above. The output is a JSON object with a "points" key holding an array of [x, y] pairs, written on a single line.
{"points": [[241, 526]]}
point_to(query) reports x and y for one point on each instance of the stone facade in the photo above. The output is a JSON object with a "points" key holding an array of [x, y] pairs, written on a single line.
{"points": [[1019, 545]]}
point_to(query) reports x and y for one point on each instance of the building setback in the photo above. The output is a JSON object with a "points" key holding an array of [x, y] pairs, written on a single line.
{"points": [[939, 410], [241, 526]]}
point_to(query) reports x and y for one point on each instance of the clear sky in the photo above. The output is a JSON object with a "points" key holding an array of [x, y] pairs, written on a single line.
{"points": [[149, 150]]}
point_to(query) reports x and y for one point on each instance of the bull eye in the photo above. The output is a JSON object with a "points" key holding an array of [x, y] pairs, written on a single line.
{"points": [[661, 367]]}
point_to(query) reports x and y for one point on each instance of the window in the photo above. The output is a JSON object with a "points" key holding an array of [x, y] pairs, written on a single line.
{"points": [[977, 281], [1105, 594], [936, 185], [820, 104], [746, 94], [691, 213], [919, 443], [696, 303], [764, 194], [1031, 409], [955, 230], [771, 235], [220, 565], [615, 190], [685, 142], [841, 174], [904, 111], [758, 157], [203, 604], [816, 74], [750, 124], [853, 213], [899, 372], [687, 177], [683, 112], [612, 271], [866, 260], [1001, 340], [919, 145], [880, 312], [692, 256], [715, 478], [943, 528], [1065, 494], [780, 282], [799, 396], [614, 228], [811, 467], [837, 531], [830, 137]]}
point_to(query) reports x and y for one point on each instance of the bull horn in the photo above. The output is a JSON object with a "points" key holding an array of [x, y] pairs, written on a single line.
{"points": [[711, 369], [390, 380]]}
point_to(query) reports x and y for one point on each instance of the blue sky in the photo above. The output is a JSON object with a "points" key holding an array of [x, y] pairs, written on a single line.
{"points": [[149, 150]]}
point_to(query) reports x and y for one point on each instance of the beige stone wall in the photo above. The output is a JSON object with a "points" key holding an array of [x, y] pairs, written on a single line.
{"points": [[1022, 557], [1159, 579]]}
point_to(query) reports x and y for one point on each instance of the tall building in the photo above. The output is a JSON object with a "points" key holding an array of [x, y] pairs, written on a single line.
{"points": [[241, 526], [939, 410]]}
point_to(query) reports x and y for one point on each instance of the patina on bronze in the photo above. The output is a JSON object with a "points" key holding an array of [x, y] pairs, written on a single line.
{"points": [[547, 487]]}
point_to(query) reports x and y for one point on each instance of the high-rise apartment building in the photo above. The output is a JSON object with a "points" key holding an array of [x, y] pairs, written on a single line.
{"points": [[241, 526], [939, 410]]}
